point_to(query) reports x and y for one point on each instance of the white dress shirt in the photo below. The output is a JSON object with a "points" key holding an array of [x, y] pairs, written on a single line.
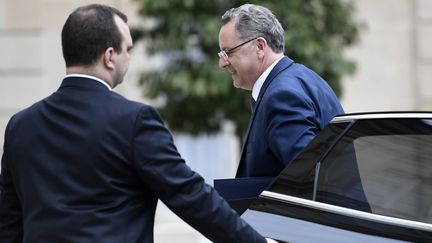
{"points": [[260, 81]]}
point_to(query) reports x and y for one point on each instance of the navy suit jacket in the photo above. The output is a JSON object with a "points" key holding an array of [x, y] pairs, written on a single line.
{"points": [[87, 165], [293, 106]]}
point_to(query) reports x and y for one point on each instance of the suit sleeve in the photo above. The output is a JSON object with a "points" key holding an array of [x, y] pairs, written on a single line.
{"points": [[181, 189], [292, 123], [10, 207]]}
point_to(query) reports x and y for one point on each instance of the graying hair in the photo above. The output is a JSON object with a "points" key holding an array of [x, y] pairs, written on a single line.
{"points": [[256, 21]]}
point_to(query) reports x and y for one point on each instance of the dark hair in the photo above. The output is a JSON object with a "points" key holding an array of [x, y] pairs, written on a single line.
{"points": [[256, 21], [88, 32]]}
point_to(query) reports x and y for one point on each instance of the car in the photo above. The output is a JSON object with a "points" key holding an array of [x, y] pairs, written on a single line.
{"points": [[366, 177]]}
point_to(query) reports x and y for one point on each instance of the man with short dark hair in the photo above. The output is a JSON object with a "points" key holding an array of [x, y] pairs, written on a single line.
{"points": [[87, 165]]}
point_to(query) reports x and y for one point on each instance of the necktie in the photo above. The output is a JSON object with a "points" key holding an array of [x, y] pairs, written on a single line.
{"points": [[252, 104]]}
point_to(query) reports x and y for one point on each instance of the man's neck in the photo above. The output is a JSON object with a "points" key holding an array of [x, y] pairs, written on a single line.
{"points": [[272, 58]]}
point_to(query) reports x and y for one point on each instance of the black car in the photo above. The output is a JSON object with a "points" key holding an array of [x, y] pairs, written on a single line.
{"points": [[364, 178]]}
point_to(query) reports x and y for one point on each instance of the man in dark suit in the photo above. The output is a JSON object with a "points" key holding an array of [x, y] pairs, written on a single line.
{"points": [[87, 165], [291, 103]]}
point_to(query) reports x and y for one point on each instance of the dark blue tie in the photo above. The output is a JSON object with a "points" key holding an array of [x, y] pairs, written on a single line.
{"points": [[252, 104]]}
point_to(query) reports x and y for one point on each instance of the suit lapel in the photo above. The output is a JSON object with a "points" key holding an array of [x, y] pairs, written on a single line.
{"points": [[283, 64]]}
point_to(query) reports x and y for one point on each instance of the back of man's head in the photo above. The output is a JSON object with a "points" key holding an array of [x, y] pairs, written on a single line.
{"points": [[88, 32]]}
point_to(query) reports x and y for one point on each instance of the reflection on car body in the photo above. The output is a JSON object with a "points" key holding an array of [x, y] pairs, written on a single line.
{"points": [[364, 178]]}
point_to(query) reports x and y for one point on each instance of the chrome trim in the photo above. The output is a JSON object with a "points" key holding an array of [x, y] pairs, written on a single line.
{"points": [[349, 118], [346, 211], [317, 170]]}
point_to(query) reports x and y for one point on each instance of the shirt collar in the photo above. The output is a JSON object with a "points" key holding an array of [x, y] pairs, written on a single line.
{"points": [[89, 77], [260, 81]]}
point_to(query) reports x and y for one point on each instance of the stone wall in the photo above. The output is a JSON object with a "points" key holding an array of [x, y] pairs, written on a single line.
{"points": [[393, 57]]}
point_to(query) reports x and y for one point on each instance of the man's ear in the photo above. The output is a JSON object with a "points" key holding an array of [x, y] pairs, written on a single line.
{"points": [[261, 43], [108, 58], [261, 46]]}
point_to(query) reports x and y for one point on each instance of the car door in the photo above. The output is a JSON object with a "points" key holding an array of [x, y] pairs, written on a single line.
{"points": [[366, 180]]}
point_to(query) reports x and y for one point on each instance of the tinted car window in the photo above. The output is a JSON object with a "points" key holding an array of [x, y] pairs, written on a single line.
{"points": [[297, 179], [381, 166]]}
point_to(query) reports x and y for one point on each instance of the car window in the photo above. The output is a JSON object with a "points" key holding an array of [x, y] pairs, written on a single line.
{"points": [[381, 166], [297, 179]]}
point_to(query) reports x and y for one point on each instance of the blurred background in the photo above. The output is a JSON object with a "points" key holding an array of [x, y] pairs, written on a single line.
{"points": [[376, 54]]}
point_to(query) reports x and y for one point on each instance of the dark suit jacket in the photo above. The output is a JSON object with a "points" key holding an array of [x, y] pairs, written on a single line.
{"points": [[293, 105], [87, 165]]}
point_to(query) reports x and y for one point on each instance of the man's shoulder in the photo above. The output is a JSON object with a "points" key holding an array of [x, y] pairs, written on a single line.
{"points": [[32, 108], [128, 103], [24, 116], [130, 107], [288, 81], [298, 76]]}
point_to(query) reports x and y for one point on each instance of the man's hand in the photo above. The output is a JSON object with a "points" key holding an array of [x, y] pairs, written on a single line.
{"points": [[271, 240]]}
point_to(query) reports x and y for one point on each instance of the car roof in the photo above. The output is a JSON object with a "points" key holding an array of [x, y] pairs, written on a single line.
{"points": [[381, 115]]}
